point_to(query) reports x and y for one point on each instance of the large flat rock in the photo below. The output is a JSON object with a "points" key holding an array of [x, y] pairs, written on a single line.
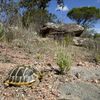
{"points": [[79, 91], [52, 29], [85, 87]]}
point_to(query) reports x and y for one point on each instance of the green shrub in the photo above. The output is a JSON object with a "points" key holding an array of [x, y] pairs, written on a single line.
{"points": [[96, 35], [89, 44], [9, 36], [1, 32], [64, 62], [97, 50], [6, 34], [97, 58], [68, 40]]}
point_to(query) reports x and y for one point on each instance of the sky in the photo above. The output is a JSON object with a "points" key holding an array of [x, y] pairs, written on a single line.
{"points": [[69, 4]]}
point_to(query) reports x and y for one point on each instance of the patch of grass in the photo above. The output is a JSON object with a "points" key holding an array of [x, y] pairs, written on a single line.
{"points": [[9, 36], [6, 34], [39, 56], [64, 62], [68, 40], [1, 32]]}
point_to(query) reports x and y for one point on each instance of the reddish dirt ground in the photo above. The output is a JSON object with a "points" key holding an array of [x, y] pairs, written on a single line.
{"points": [[10, 58]]}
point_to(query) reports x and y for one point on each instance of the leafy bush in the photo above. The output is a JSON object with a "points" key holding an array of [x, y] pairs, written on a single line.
{"points": [[97, 58], [89, 44], [9, 36], [68, 40], [85, 16], [88, 33], [6, 34], [96, 35], [1, 32], [97, 50], [64, 62]]}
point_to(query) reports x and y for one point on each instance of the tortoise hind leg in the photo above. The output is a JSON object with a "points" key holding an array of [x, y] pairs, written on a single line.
{"points": [[34, 84], [6, 84]]}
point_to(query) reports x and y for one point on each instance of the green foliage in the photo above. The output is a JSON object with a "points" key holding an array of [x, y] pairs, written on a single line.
{"points": [[97, 49], [2, 34], [12, 15], [37, 16], [36, 12], [6, 34], [97, 58], [9, 36], [1, 31], [68, 40], [10, 8], [85, 16], [96, 35], [31, 4], [88, 33], [40, 4], [64, 62]]}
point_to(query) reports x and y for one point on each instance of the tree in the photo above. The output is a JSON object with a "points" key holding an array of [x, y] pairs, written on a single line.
{"points": [[85, 16], [37, 17], [34, 9], [36, 12], [41, 4], [9, 8], [31, 4]]}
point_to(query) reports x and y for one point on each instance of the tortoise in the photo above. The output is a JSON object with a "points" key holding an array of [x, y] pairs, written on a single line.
{"points": [[22, 75]]}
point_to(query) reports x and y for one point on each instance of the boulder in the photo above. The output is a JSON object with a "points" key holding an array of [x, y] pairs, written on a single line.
{"points": [[79, 41], [60, 30], [87, 43]]}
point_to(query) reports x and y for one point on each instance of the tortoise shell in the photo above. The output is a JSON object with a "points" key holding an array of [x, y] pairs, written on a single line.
{"points": [[21, 76]]}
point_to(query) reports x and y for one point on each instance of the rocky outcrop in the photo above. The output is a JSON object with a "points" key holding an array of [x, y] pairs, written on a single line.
{"points": [[80, 41], [87, 43], [60, 30]]}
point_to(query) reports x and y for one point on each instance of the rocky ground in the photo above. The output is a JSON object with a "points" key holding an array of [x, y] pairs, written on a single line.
{"points": [[81, 83]]}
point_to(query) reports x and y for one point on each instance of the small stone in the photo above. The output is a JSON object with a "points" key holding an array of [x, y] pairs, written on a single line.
{"points": [[80, 64], [66, 80], [95, 81], [36, 63], [78, 75], [49, 64], [7, 94], [55, 92]]}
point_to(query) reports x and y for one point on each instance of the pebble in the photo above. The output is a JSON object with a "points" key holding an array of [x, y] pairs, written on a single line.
{"points": [[80, 64], [78, 75]]}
